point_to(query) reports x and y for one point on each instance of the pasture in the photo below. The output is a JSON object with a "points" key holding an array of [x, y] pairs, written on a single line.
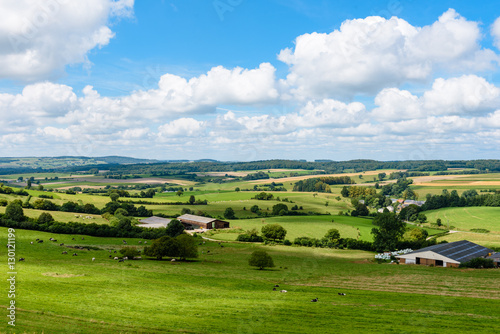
{"points": [[220, 293]]}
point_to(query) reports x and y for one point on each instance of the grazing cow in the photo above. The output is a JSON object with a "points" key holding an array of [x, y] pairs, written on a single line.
{"points": [[173, 260], [125, 258], [54, 240], [61, 244], [37, 239], [93, 259], [51, 239], [284, 291], [40, 241], [199, 244], [74, 254], [31, 242], [140, 241], [110, 256], [208, 252], [120, 260], [83, 238], [341, 294], [314, 300], [64, 252], [21, 259], [115, 258], [277, 286], [274, 289], [145, 242], [115, 251], [73, 239]]}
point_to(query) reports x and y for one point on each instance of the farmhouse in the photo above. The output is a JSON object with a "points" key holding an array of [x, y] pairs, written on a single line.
{"points": [[192, 221], [446, 255], [154, 222]]}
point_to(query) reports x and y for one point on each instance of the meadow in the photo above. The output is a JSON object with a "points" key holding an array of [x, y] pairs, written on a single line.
{"points": [[220, 293]]}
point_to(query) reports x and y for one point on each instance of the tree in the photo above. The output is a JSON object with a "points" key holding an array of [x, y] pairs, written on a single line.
{"points": [[179, 192], [187, 247], [237, 189], [255, 209], [229, 213], [390, 230], [114, 196], [174, 228], [345, 192], [361, 210], [14, 211], [40, 187], [416, 234], [45, 217], [280, 209], [192, 199], [273, 232], [381, 176], [261, 259], [121, 212], [332, 235], [29, 184], [439, 222], [164, 246]]}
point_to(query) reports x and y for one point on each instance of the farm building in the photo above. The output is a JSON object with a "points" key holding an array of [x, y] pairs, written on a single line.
{"points": [[496, 259], [154, 222], [192, 221], [446, 255]]}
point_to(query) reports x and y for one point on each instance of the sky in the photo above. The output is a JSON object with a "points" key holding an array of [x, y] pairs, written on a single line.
{"points": [[241, 80]]}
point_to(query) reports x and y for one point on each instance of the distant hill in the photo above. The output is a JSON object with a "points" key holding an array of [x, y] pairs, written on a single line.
{"points": [[8, 164]]}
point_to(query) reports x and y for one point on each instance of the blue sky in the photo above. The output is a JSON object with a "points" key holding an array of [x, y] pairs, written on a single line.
{"points": [[248, 80]]}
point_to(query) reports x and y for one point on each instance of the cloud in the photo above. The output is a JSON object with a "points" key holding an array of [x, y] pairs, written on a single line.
{"points": [[495, 32], [367, 55], [38, 38], [184, 127], [466, 95]]}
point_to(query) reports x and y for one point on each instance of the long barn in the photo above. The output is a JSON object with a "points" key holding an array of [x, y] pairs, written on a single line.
{"points": [[446, 255], [193, 221]]}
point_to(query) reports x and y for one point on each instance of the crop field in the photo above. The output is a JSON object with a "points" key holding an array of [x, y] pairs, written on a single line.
{"points": [[220, 293]]}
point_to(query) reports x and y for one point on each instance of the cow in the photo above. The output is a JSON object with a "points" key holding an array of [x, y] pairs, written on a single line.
{"points": [[115, 258], [64, 252], [284, 291], [93, 259], [21, 259], [277, 286], [125, 258], [61, 244], [274, 289], [120, 260], [31, 242], [341, 294], [74, 254], [40, 241], [314, 300], [173, 260]]}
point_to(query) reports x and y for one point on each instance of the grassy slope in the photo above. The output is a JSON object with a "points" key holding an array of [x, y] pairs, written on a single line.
{"points": [[220, 293]]}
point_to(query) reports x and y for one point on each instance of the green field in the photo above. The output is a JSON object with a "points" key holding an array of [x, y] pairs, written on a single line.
{"points": [[220, 293], [465, 219]]}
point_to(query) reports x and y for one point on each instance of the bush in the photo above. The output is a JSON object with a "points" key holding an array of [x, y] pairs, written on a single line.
{"points": [[130, 252], [478, 263], [249, 238], [3, 202]]}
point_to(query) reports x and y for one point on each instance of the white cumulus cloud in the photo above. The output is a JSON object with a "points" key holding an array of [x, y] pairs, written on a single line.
{"points": [[366, 55], [38, 38]]}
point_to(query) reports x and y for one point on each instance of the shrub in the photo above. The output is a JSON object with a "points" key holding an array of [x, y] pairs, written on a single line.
{"points": [[249, 238], [478, 263], [130, 252], [3, 202], [273, 232]]}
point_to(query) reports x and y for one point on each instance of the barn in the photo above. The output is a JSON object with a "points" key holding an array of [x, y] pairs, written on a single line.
{"points": [[446, 255], [193, 221], [154, 222]]}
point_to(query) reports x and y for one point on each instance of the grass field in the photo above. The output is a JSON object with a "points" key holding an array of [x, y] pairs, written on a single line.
{"points": [[465, 219], [220, 293]]}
